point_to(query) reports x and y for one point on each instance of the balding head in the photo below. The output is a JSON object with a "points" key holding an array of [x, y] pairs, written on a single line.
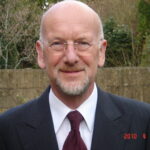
{"points": [[71, 9]]}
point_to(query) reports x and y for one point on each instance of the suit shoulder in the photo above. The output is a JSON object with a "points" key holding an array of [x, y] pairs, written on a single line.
{"points": [[25, 111], [128, 105], [18, 111]]}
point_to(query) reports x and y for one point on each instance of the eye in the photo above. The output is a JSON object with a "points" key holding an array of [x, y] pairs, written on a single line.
{"points": [[83, 43], [56, 43]]}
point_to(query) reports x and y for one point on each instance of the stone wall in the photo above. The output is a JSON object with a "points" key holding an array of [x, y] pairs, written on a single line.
{"points": [[19, 86]]}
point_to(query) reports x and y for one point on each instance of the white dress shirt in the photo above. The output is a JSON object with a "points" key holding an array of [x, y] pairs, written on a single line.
{"points": [[61, 123]]}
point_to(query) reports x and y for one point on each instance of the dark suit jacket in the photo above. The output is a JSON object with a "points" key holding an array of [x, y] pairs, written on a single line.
{"points": [[120, 124]]}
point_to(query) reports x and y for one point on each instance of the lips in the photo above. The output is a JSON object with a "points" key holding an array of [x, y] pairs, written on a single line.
{"points": [[71, 71]]}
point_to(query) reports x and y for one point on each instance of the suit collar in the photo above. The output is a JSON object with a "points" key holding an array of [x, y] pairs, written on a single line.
{"points": [[110, 124]]}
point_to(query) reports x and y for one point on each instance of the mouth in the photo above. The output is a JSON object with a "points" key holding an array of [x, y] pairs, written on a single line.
{"points": [[72, 71]]}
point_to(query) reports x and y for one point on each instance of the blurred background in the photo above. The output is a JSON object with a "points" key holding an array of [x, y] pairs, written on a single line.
{"points": [[126, 27]]}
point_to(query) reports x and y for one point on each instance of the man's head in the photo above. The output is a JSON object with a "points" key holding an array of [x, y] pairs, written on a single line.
{"points": [[71, 47]]}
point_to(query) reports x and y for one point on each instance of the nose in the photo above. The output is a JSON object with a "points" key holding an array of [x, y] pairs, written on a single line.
{"points": [[71, 56]]}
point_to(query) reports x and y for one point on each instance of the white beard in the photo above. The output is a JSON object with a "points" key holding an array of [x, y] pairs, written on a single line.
{"points": [[73, 88]]}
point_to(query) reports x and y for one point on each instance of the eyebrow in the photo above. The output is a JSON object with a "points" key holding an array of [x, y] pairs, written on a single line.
{"points": [[55, 38], [80, 37]]}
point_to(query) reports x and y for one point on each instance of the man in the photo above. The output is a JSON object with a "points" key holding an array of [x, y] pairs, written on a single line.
{"points": [[73, 113]]}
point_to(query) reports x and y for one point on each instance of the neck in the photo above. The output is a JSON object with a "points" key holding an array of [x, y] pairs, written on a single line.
{"points": [[73, 101]]}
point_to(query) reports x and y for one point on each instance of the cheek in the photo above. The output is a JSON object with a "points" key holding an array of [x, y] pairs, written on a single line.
{"points": [[52, 62], [91, 62], [91, 59]]}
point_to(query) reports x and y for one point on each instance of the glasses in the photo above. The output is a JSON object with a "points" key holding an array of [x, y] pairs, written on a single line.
{"points": [[60, 46]]}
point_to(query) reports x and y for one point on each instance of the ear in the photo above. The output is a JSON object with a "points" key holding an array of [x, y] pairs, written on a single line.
{"points": [[40, 57], [102, 51]]}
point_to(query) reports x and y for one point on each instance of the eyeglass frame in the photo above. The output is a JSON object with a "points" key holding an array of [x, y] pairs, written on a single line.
{"points": [[75, 45]]}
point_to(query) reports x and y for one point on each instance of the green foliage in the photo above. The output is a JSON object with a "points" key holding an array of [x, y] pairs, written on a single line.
{"points": [[144, 16], [143, 31], [19, 22], [119, 50], [145, 60], [44, 4]]}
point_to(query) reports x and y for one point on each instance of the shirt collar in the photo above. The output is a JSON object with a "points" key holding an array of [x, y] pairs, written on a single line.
{"points": [[59, 110], [88, 108]]}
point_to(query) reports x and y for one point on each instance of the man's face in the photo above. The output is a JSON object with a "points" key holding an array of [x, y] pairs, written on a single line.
{"points": [[70, 70]]}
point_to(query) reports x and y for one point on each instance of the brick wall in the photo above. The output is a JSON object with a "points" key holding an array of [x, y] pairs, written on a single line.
{"points": [[19, 86]]}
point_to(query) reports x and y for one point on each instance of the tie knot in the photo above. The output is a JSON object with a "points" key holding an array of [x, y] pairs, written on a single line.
{"points": [[75, 119]]}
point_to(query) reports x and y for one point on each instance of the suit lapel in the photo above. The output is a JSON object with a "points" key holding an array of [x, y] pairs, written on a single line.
{"points": [[110, 125], [36, 129]]}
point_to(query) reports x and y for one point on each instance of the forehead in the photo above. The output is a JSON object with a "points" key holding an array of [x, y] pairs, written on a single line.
{"points": [[69, 19]]}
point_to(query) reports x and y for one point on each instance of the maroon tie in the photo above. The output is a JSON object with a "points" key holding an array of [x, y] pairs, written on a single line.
{"points": [[74, 140]]}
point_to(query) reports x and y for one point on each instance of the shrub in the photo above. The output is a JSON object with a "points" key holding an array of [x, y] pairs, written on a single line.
{"points": [[119, 50], [143, 34], [19, 23]]}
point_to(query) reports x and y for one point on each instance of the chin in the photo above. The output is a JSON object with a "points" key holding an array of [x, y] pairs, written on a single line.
{"points": [[73, 88]]}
